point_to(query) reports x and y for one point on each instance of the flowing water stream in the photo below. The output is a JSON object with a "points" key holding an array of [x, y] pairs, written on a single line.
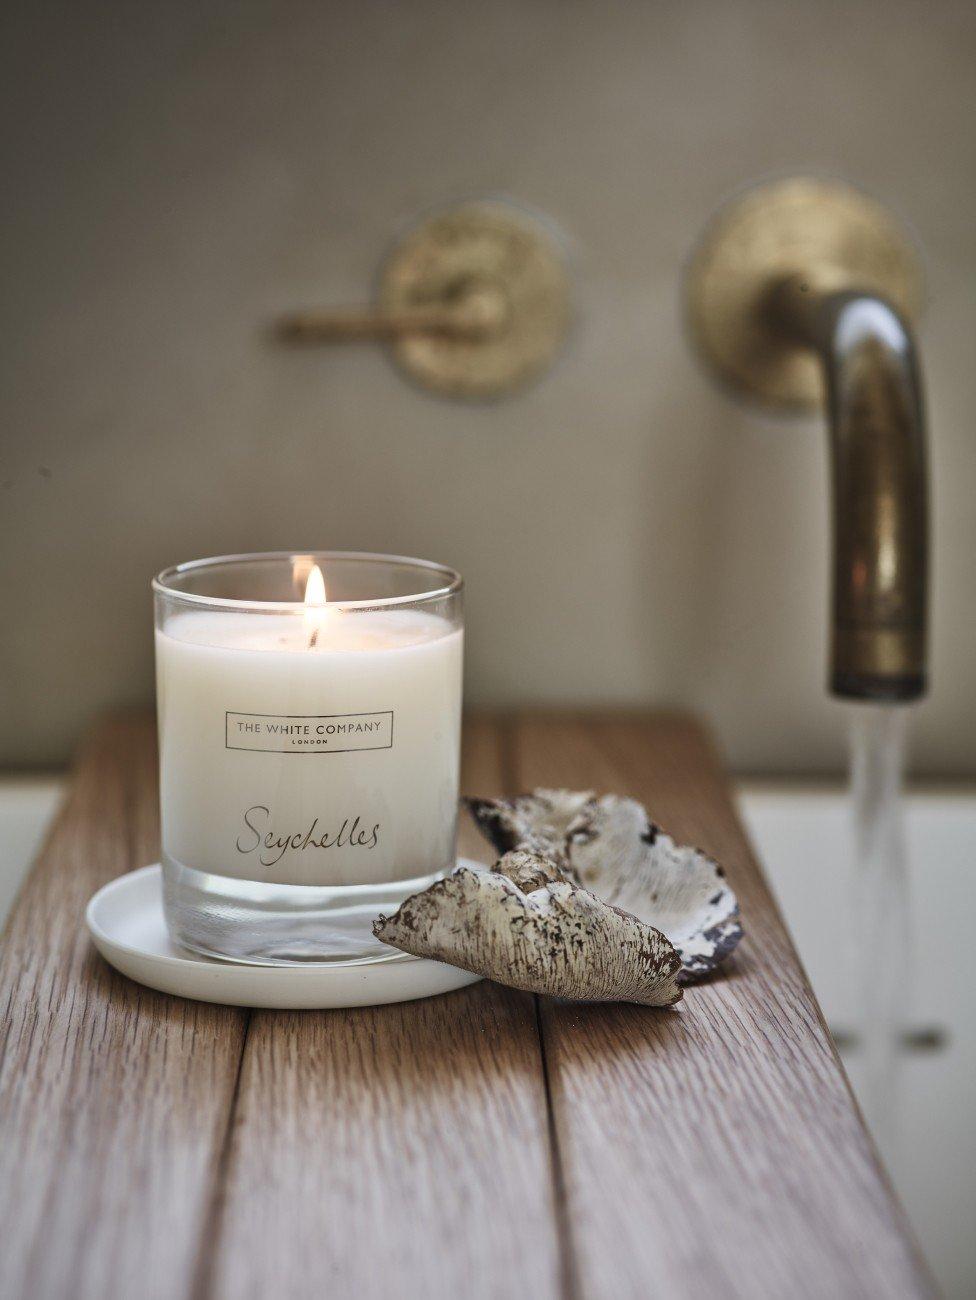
{"points": [[881, 938]]}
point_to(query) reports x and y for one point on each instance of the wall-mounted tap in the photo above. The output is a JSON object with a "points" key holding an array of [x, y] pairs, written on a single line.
{"points": [[800, 294], [474, 302]]}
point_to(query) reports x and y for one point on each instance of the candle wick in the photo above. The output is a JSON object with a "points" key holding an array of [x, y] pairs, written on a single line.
{"points": [[313, 638]]}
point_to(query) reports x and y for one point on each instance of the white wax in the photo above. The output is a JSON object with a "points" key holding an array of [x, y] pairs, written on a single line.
{"points": [[325, 764]]}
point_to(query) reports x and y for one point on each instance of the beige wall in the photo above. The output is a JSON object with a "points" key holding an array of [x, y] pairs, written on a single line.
{"points": [[175, 173]]}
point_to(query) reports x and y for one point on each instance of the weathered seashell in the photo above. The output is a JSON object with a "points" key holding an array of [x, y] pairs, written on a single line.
{"points": [[526, 925], [542, 821], [610, 846]]}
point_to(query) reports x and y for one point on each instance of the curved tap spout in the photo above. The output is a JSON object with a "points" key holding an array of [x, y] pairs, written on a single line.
{"points": [[806, 280], [879, 472]]}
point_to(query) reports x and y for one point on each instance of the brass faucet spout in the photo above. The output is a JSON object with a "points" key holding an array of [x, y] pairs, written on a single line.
{"points": [[799, 295], [879, 479]]}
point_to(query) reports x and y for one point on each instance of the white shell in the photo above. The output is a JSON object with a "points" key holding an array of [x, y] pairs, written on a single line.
{"points": [[612, 848], [526, 925]]}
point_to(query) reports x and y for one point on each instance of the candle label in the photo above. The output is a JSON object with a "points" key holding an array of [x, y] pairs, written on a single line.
{"points": [[330, 733]]}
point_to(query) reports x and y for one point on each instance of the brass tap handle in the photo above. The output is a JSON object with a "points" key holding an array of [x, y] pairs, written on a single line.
{"points": [[473, 302], [477, 313]]}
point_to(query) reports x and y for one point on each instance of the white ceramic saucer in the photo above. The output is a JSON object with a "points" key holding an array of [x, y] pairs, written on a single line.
{"points": [[125, 919]]}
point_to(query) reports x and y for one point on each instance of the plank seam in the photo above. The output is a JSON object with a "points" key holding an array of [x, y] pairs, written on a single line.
{"points": [[212, 1222], [569, 1283], [569, 1273]]}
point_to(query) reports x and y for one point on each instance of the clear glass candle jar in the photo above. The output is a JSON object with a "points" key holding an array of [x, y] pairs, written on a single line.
{"points": [[309, 742]]}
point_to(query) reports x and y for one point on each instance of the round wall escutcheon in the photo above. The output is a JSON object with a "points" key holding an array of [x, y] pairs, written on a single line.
{"points": [[822, 234], [500, 266]]}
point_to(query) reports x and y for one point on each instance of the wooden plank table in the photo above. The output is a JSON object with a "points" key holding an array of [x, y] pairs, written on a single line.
{"points": [[484, 1143]]}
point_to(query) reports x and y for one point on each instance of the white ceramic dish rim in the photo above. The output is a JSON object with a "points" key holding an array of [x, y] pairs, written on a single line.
{"points": [[311, 977]]}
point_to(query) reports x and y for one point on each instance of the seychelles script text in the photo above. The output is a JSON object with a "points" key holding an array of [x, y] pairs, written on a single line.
{"points": [[351, 834]]}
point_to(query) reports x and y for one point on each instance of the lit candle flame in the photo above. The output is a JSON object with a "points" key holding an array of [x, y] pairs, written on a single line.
{"points": [[316, 604]]}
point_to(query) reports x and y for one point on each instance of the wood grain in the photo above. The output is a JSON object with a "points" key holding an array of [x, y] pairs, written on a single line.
{"points": [[158, 1148], [114, 1100], [714, 1149], [394, 1150]]}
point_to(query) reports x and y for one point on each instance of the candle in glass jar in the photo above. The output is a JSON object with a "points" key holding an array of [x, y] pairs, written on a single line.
{"points": [[316, 747]]}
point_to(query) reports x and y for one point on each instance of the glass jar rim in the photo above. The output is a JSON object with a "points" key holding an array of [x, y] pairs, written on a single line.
{"points": [[452, 582]]}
